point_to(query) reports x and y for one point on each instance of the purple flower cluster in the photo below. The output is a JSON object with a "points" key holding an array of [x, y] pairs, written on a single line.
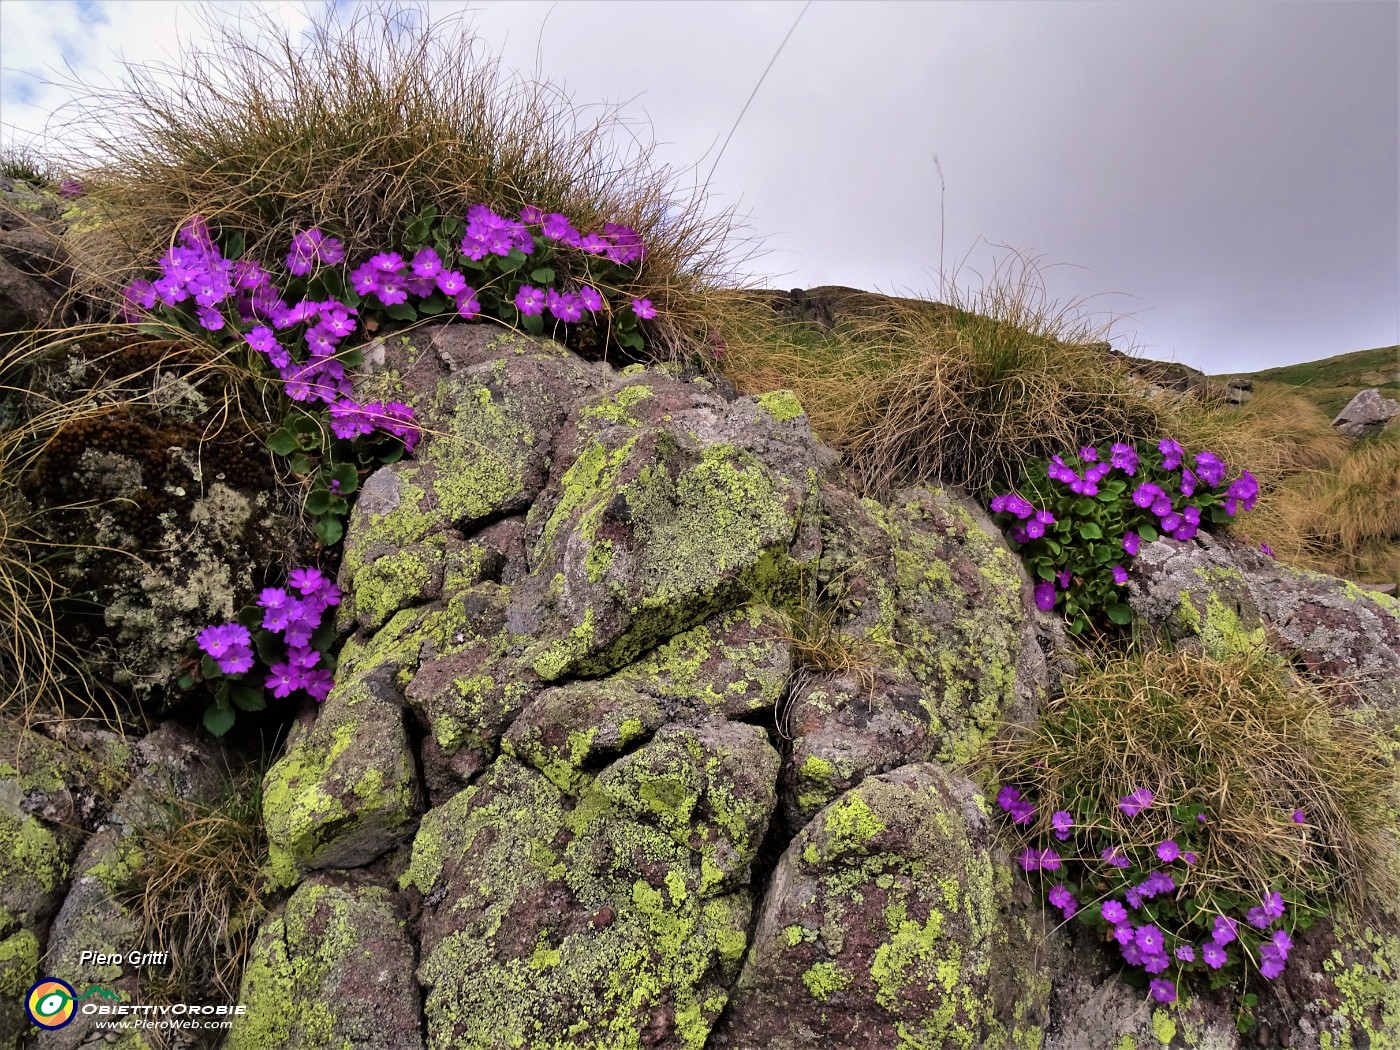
{"points": [[350, 419], [1086, 484], [294, 614], [192, 269], [310, 248], [391, 279], [491, 234], [1010, 800]]}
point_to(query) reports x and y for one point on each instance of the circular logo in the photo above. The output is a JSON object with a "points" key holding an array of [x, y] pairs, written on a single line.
{"points": [[49, 1003]]}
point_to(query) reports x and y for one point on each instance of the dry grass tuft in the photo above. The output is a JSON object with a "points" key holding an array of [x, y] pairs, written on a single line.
{"points": [[357, 127], [1242, 737], [197, 891], [964, 393]]}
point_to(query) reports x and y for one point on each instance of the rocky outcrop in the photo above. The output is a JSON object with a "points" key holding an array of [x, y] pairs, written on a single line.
{"points": [[1366, 414], [34, 270], [647, 732]]}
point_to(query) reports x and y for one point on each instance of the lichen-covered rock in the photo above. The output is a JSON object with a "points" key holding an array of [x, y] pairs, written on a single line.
{"points": [[1225, 597], [332, 971], [889, 922], [939, 615], [665, 505], [1366, 414], [346, 789], [550, 920]]}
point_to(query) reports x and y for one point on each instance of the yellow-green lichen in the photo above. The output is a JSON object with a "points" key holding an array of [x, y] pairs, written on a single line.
{"points": [[782, 405], [824, 979]]}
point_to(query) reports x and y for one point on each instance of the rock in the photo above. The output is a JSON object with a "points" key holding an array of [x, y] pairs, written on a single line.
{"points": [[1365, 414], [1223, 596], [346, 789], [883, 926], [665, 504], [550, 920], [333, 969], [34, 271], [939, 618]]}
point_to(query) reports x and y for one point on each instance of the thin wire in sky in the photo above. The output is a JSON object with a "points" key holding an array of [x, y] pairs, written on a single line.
{"points": [[753, 93]]}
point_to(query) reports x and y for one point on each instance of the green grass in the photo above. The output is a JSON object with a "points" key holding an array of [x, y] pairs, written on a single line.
{"points": [[1333, 381]]}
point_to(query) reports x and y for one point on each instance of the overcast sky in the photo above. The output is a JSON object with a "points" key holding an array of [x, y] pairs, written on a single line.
{"points": [[1225, 171]]}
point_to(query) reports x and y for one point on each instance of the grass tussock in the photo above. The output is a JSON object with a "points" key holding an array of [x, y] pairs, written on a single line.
{"points": [[1242, 737], [1345, 520], [964, 392], [197, 892], [358, 126]]}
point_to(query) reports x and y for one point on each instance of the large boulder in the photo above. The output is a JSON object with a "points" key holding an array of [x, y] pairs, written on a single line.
{"points": [[1365, 414]]}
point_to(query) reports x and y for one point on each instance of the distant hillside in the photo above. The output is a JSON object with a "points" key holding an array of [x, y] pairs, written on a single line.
{"points": [[1333, 381]]}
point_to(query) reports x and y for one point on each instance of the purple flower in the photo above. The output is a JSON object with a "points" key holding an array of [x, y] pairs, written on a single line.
{"points": [[643, 309], [1161, 506], [592, 299], [1021, 811], [1124, 933], [1264, 548], [1210, 468], [70, 189], [1045, 595], [1132, 543], [567, 307], [1133, 804], [529, 301], [1223, 931], [468, 306], [1113, 911], [1188, 482], [1061, 821], [1124, 457], [1061, 897], [1113, 858], [216, 641], [1089, 454], [450, 282], [531, 215], [283, 680], [427, 263], [1213, 955], [273, 598], [238, 660], [1033, 859], [1120, 574], [1185, 953], [558, 228], [1063, 579], [1171, 453], [1168, 851], [1271, 961], [387, 262], [1299, 817], [1150, 939], [1243, 490], [1163, 990], [1282, 941], [1189, 857], [1146, 494], [1273, 905]]}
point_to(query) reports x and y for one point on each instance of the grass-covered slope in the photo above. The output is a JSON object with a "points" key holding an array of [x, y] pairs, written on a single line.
{"points": [[1333, 381]]}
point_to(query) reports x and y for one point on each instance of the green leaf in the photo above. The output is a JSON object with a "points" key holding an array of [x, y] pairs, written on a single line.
{"points": [[434, 304], [533, 323], [1084, 507], [416, 232], [300, 463], [544, 275], [1090, 531], [393, 453], [1120, 614], [282, 441], [232, 244], [632, 340], [218, 720], [514, 260], [270, 648], [1045, 570], [329, 530], [208, 668], [322, 638], [318, 501], [352, 357], [347, 475], [402, 312], [186, 681], [1147, 533], [151, 328], [1078, 625], [339, 506], [247, 698]]}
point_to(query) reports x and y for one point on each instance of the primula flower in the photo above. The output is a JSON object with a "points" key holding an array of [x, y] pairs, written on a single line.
{"points": [[1243, 490], [427, 263], [1273, 905], [1188, 482], [643, 309], [317, 683], [1163, 991], [1171, 453], [1033, 859], [1021, 811], [1063, 578], [468, 306], [1213, 955], [1124, 457], [348, 420], [531, 215], [529, 301], [1113, 858], [1061, 898], [1132, 543], [1189, 857], [387, 262], [1133, 804], [1264, 548], [1089, 454], [365, 279], [70, 189], [1146, 494], [1150, 939], [391, 293], [1185, 953], [1156, 963], [452, 283], [216, 641], [1045, 595], [283, 680], [305, 659], [1299, 817], [1120, 574], [1271, 961], [557, 227], [273, 598], [1124, 933], [1223, 931], [592, 299], [1113, 911], [208, 318], [238, 660], [1062, 820], [1210, 468]]}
